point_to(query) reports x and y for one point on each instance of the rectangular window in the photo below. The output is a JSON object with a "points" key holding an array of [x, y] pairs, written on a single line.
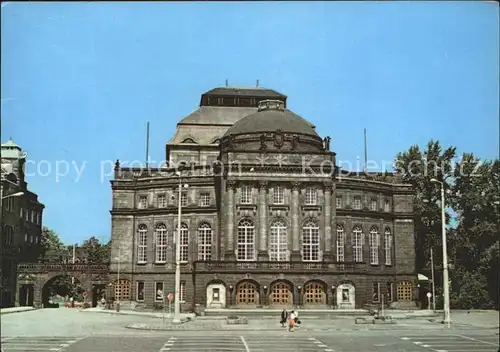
{"points": [[357, 245], [161, 201], [246, 242], [388, 247], [373, 205], [182, 291], [311, 196], [205, 242], [184, 199], [143, 202], [310, 244], [387, 206], [161, 244], [184, 245], [345, 295], [340, 245], [216, 295], [278, 195], [142, 247], [376, 292], [338, 202], [21, 213], [27, 215], [159, 295], [139, 293], [374, 245], [390, 290], [205, 199], [246, 195], [356, 204]]}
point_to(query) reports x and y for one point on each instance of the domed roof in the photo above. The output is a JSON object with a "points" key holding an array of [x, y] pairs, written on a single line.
{"points": [[272, 116]]}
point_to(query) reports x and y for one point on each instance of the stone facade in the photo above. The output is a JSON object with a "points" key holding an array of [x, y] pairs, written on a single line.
{"points": [[267, 218], [21, 223]]}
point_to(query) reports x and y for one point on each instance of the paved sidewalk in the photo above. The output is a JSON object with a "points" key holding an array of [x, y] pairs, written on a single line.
{"points": [[16, 310], [184, 316]]}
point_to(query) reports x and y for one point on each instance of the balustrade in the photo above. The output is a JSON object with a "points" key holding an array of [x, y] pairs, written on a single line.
{"points": [[334, 267], [40, 268]]}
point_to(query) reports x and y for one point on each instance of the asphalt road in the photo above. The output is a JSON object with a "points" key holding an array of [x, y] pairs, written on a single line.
{"points": [[66, 330]]}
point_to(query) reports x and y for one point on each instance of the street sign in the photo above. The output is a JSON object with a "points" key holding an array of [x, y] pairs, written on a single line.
{"points": [[84, 294], [170, 297], [429, 295]]}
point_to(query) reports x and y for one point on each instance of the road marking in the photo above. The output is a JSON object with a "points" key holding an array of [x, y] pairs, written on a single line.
{"points": [[417, 342], [170, 342], [405, 338], [245, 344], [478, 340]]}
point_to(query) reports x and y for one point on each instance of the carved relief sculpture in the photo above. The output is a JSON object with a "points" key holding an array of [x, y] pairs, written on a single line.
{"points": [[278, 139], [263, 146]]}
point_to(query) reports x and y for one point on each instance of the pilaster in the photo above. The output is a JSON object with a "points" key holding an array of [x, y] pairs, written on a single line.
{"points": [[263, 254], [328, 254], [295, 255], [230, 255]]}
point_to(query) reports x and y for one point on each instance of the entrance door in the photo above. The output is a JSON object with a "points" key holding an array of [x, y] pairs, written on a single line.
{"points": [[26, 295], [247, 293], [281, 294]]}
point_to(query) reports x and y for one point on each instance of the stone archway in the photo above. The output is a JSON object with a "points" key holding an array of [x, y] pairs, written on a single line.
{"points": [[315, 293], [280, 293], [346, 296], [247, 293], [60, 288]]}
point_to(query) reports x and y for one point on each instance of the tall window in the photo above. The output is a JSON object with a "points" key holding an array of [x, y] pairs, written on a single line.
{"points": [[376, 291], [204, 242], [161, 201], [374, 244], [161, 243], [184, 199], [182, 291], [338, 202], [340, 243], [357, 243], [356, 204], [387, 205], [246, 240], [311, 196], [159, 293], [143, 202], [139, 292], [278, 195], [246, 195], [184, 243], [142, 244], [278, 247], [390, 290], [204, 199], [373, 204], [310, 241], [388, 246]]}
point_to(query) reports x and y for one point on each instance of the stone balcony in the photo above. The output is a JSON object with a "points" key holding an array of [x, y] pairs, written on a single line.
{"points": [[283, 267]]}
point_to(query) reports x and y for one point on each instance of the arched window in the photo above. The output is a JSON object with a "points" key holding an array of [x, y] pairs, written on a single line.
{"points": [[357, 243], [246, 241], [278, 247], [142, 244], [204, 242], [340, 243], [388, 246], [189, 140], [161, 243], [310, 241], [374, 244]]}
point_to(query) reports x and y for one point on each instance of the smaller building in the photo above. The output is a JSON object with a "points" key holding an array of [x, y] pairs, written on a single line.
{"points": [[21, 224]]}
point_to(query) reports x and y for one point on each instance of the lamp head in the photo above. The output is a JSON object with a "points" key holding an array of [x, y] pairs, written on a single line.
{"points": [[178, 173]]}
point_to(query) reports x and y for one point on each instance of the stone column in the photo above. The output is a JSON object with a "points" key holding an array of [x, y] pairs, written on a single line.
{"points": [[295, 255], [263, 254], [230, 255], [327, 251]]}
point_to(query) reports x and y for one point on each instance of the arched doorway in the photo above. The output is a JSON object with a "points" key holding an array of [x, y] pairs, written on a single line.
{"points": [[314, 293], [26, 295], [281, 293], [60, 289], [247, 293]]}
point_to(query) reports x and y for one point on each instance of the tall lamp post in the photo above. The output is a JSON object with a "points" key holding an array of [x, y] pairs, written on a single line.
{"points": [[177, 303], [446, 283]]}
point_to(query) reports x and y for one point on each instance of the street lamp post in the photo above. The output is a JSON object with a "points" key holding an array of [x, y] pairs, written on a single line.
{"points": [[446, 283], [177, 303]]}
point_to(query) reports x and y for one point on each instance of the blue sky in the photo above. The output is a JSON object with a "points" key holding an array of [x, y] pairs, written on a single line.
{"points": [[80, 80]]}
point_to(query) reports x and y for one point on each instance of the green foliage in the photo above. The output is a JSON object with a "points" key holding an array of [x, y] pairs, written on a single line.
{"points": [[51, 246], [472, 191], [95, 252]]}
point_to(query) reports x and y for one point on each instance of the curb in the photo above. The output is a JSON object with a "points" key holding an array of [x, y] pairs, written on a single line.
{"points": [[19, 311]]}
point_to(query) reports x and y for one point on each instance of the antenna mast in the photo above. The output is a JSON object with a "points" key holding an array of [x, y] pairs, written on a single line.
{"points": [[147, 145], [366, 154]]}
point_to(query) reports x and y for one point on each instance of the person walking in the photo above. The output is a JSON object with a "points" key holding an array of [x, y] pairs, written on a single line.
{"points": [[297, 321], [291, 321], [284, 315]]}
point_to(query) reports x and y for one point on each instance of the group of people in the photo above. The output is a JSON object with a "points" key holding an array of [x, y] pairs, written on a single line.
{"points": [[291, 317]]}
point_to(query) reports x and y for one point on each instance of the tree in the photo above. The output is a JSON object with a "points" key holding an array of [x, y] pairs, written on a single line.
{"points": [[51, 246], [95, 252]]}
